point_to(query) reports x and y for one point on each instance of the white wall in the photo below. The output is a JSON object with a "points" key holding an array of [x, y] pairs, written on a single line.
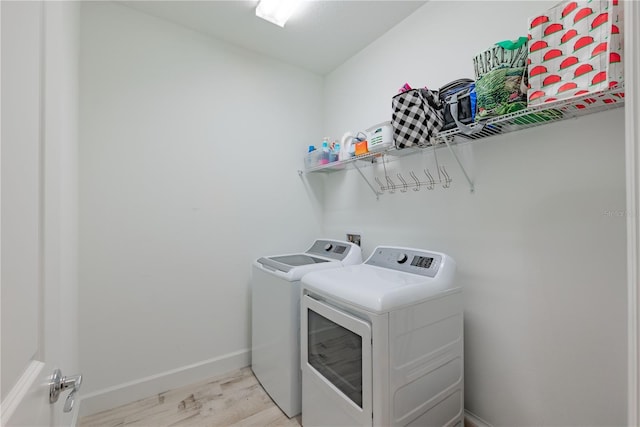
{"points": [[189, 150], [540, 246]]}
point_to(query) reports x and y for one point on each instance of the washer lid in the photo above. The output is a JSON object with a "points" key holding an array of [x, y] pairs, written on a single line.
{"points": [[287, 262], [323, 254], [380, 289]]}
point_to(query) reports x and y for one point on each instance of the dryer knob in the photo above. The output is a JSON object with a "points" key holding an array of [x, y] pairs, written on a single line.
{"points": [[402, 258], [328, 247]]}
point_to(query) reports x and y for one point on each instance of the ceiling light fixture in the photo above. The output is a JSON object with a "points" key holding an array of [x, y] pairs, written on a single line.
{"points": [[276, 11]]}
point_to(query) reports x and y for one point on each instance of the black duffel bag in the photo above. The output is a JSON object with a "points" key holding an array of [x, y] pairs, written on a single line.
{"points": [[464, 91]]}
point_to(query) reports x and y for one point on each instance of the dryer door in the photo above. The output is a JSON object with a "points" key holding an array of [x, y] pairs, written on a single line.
{"points": [[336, 366]]}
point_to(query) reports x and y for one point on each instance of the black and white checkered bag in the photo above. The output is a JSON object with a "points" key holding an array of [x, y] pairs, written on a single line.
{"points": [[416, 118]]}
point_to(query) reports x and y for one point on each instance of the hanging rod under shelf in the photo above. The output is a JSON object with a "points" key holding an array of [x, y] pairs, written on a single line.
{"points": [[414, 182]]}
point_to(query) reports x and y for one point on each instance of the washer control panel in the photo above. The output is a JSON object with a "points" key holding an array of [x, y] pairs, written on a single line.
{"points": [[333, 249], [408, 260]]}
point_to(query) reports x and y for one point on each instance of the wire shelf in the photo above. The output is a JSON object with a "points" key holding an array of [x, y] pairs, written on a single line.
{"points": [[541, 114], [362, 160], [538, 115]]}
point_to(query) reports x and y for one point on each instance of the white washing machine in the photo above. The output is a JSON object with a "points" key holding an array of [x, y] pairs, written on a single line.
{"points": [[382, 342], [275, 324]]}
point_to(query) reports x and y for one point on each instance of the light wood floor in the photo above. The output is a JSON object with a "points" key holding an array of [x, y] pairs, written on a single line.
{"points": [[237, 399]]}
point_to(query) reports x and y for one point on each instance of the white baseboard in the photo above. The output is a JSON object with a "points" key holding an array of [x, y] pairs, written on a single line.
{"points": [[471, 420], [15, 398], [121, 394]]}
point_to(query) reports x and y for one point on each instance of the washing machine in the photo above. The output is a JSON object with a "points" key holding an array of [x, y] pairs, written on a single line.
{"points": [[275, 324], [382, 342]]}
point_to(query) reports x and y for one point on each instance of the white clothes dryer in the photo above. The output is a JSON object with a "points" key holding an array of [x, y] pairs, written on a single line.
{"points": [[382, 342], [275, 324]]}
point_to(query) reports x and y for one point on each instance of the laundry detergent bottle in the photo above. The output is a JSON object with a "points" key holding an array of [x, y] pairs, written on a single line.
{"points": [[335, 152], [325, 152]]}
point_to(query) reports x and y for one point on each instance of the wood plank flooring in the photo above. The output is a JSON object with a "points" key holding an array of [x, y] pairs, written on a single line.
{"points": [[237, 399]]}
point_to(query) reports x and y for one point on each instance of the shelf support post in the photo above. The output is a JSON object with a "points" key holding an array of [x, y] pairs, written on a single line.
{"points": [[471, 186], [367, 181]]}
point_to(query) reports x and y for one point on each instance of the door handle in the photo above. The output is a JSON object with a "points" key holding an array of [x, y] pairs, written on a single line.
{"points": [[58, 384]]}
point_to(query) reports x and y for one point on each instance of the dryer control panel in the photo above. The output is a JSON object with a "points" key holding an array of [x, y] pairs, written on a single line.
{"points": [[408, 260]]}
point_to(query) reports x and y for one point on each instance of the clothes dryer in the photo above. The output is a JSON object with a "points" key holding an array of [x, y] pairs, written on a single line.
{"points": [[275, 324], [382, 342]]}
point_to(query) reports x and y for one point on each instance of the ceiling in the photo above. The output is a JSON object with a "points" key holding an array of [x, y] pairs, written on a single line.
{"points": [[320, 36]]}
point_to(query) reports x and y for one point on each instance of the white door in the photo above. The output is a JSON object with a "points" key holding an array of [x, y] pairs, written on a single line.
{"points": [[31, 242]]}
